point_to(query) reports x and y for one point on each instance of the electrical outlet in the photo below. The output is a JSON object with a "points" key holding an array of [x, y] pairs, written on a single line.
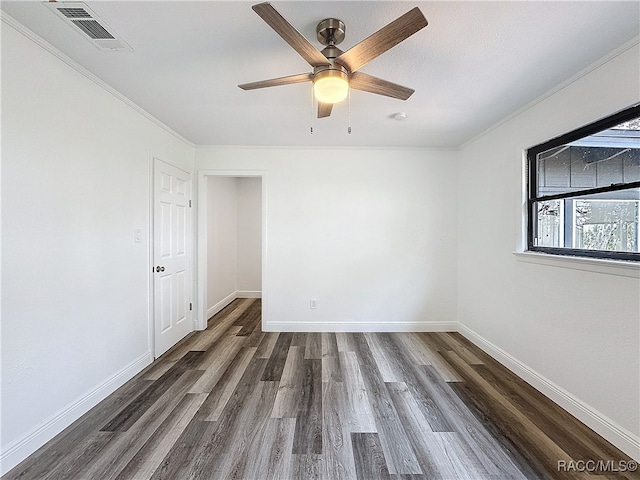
{"points": [[313, 304], [137, 235]]}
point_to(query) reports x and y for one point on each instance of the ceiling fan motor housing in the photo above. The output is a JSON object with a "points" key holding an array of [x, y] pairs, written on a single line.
{"points": [[331, 31], [333, 70]]}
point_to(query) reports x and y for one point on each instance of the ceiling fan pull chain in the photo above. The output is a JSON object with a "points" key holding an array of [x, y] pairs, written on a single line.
{"points": [[311, 121], [349, 129]]}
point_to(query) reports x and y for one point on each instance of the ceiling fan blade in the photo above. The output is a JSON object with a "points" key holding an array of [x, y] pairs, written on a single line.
{"points": [[384, 39], [274, 82], [371, 84], [290, 35], [324, 109]]}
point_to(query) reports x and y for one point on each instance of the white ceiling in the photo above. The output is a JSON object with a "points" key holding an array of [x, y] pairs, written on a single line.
{"points": [[476, 63]]}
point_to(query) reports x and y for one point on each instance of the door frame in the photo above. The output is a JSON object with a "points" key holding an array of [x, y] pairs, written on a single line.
{"points": [[151, 338], [202, 206]]}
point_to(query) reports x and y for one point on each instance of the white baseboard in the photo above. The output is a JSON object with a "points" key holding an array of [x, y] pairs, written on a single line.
{"points": [[605, 427], [360, 327], [27, 444], [248, 294], [211, 311]]}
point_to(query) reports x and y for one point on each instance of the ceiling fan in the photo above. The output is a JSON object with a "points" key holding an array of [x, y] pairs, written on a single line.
{"points": [[335, 71]]}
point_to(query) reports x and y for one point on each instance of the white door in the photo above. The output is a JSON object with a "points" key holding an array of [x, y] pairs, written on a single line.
{"points": [[171, 260]]}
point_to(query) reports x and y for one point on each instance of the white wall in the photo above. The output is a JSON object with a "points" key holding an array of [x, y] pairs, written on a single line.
{"points": [[249, 234], [369, 233], [75, 286], [575, 332], [222, 225]]}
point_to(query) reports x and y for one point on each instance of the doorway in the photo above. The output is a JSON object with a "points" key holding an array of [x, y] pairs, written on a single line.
{"points": [[231, 240]]}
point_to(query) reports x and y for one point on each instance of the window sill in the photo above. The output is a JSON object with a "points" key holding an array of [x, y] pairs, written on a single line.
{"points": [[610, 267]]}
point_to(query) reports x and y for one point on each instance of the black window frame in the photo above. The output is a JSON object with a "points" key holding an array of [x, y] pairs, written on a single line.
{"points": [[629, 113]]}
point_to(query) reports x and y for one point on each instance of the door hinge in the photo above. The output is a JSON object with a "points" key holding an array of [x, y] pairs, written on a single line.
{"points": [[191, 306], [189, 203]]}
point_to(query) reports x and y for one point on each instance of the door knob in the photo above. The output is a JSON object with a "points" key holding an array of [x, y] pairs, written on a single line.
{"points": [[159, 269]]}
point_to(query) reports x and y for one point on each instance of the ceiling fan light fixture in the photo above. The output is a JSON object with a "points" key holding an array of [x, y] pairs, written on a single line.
{"points": [[335, 72], [331, 86]]}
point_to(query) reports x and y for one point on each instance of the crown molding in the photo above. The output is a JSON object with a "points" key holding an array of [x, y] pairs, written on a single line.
{"points": [[42, 43]]}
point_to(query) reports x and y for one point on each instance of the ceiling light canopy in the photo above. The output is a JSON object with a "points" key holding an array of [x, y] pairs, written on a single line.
{"points": [[331, 86]]}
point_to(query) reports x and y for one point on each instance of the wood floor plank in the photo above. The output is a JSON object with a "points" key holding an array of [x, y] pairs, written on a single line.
{"points": [[255, 338], [275, 447], [578, 440], [547, 451], [231, 307], [369, 457], [179, 458], [439, 454], [289, 394], [72, 465], [230, 313], [495, 455], [216, 401], [383, 359], [248, 434], [398, 451], [464, 460], [337, 458], [250, 319], [247, 383], [216, 361], [275, 364], [331, 370], [157, 369], [427, 400], [148, 397], [206, 444], [265, 348], [357, 409], [455, 345], [306, 466], [124, 446], [439, 363], [409, 476], [433, 461], [299, 339], [344, 342], [308, 432], [523, 459], [414, 347], [233, 330], [223, 442], [149, 457], [208, 338], [313, 346], [573, 444]]}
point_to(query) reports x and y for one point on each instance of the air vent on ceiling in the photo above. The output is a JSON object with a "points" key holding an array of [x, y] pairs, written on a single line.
{"points": [[89, 25]]}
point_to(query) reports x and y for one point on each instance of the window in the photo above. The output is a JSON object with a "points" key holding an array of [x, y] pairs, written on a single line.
{"points": [[584, 190]]}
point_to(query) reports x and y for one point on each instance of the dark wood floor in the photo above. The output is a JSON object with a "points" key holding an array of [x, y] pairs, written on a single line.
{"points": [[233, 402]]}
